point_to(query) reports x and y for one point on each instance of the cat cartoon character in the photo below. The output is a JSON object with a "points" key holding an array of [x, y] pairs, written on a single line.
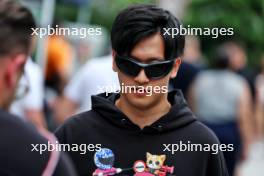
{"points": [[155, 162]]}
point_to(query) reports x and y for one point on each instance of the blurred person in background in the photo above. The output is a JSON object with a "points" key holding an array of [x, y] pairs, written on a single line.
{"points": [[238, 63], [192, 52], [94, 77], [59, 67], [190, 67], [59, 61], [260, 100], [17, 137], [253, 165], [221, 99], [83, 52], [30, 107]]}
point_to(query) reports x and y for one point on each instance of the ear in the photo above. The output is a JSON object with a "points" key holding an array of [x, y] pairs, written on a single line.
{"points": [[148, 155], [175, 68], [114, 67], [13, 70], [163, 158], [20, 61]]}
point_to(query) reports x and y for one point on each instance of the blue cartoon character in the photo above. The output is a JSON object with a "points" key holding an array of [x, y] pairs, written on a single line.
{"points": [[104, 161]]}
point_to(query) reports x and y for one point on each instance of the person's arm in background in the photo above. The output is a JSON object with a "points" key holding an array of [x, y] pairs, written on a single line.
{"points": [[68, 104], [36, 116], [245, 120], [259, 111], [64, 107]]}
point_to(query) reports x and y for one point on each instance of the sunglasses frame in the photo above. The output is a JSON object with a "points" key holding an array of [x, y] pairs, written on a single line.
{"points": [[144, 65]]}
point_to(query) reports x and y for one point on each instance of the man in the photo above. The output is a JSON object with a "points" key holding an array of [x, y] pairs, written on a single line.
{"points": [[17, 137], [135, 124]]}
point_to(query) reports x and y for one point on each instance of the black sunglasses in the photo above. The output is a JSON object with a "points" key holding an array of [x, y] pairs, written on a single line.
{"points": [[156, 70]]}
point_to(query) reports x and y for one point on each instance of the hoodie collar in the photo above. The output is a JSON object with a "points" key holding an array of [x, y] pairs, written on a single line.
{"points": [[178, 116]]}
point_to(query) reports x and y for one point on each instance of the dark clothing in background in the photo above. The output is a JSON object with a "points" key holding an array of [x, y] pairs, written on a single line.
{"points": [[105, 124], [16, 157], [184, 78], [250, 77]]}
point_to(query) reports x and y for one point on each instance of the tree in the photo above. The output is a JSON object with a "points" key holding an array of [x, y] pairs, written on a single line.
{"points": [[245, 16]]}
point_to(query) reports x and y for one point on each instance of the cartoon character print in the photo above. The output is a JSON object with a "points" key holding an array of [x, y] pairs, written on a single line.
{"points": [[154, 166], [155, 162], [104, 161]]}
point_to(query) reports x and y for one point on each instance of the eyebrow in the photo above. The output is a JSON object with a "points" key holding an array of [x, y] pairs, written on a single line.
{"points": [[150, 59]]}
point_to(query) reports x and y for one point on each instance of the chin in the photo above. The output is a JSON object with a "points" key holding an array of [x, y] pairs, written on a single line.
{"points": [[141, 102]]}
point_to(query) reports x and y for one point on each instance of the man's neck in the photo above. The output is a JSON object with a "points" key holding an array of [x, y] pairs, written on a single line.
{"points": [[143, 117]]}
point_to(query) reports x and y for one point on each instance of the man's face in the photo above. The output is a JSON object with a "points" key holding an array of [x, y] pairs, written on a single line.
{"points": [[147, 51]]}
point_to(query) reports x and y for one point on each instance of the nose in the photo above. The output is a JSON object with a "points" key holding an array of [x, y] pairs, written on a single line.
{"points": [[141, 77]]}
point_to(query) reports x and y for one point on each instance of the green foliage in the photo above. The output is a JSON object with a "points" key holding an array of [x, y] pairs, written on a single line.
{"points": [[104, 11], [245, 16], [66, 12]]}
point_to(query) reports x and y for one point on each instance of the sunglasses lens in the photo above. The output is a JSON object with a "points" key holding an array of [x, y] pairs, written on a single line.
{"points": [[152, 71], [128, 67], [158, 70]]}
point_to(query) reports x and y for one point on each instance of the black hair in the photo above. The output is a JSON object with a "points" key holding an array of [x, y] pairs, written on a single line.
{"points": [[221, 57], [141, 21], [16, 22]]}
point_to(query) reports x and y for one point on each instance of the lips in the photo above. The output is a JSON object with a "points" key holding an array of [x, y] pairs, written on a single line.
{"points": [[141, 92], [140, 89]]}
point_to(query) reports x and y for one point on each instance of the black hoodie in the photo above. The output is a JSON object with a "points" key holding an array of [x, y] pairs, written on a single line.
{"points": [[106, 126]]}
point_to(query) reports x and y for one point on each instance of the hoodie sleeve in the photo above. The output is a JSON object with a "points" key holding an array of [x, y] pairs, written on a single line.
{"points": [[216, 165], [63, 133]]}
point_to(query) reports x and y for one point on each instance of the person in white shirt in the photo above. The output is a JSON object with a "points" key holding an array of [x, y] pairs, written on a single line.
{"points": [[88, 81], [30, 106], [221, 99]]}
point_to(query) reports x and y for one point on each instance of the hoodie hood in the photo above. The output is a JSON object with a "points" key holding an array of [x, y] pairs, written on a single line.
{"points": [[179, 115]]}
